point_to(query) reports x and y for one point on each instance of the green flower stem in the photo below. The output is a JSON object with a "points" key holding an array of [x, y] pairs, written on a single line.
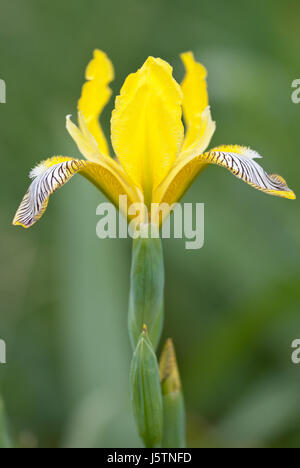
{"points": [[146, 302], [157, 398]]}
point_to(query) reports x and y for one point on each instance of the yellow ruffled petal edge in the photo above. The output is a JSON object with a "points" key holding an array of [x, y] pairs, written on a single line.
{"points": [[195, 97], [95, 95], [54, 172], [146, 125]]}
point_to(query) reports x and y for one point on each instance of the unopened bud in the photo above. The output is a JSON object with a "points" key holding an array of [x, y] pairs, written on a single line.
{"points": [[146, 392], [173, 403]]}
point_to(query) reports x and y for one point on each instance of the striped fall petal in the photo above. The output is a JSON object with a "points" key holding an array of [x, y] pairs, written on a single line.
{"points": [[47, 179], [240, 161], [53, 173]]}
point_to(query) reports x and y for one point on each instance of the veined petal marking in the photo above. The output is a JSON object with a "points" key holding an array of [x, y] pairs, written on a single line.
{"points": [[237, 159], [46, 180], [240, 161], [54, 172]]}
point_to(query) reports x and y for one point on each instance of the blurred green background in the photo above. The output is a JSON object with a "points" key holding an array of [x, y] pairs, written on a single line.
{"points": [[232, 308]]}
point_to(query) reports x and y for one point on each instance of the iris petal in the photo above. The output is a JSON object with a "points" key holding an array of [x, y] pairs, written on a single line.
{"points": [[239, 160], [146, 126], [195, 98], [95, 95], [53, 173]]}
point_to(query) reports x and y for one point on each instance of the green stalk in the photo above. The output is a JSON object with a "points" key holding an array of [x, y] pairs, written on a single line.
{"points": [[157, 398], [146, 303]]}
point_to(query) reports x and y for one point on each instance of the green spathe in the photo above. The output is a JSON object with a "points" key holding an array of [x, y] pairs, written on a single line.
{"points": [[146, 301], [174, 420], [173, 402], [146, 393]]}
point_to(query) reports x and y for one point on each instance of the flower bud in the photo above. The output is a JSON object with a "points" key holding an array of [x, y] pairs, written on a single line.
{"points": [[146, 392], [173, 402]]}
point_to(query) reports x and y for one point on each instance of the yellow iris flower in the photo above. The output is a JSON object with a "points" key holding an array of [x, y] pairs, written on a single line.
{"points": [[156, 160]]}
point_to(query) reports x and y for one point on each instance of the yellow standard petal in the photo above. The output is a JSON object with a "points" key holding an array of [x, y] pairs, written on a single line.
{"points": [[95, 94], [195, 97], [53, 173], [146, 126]]}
